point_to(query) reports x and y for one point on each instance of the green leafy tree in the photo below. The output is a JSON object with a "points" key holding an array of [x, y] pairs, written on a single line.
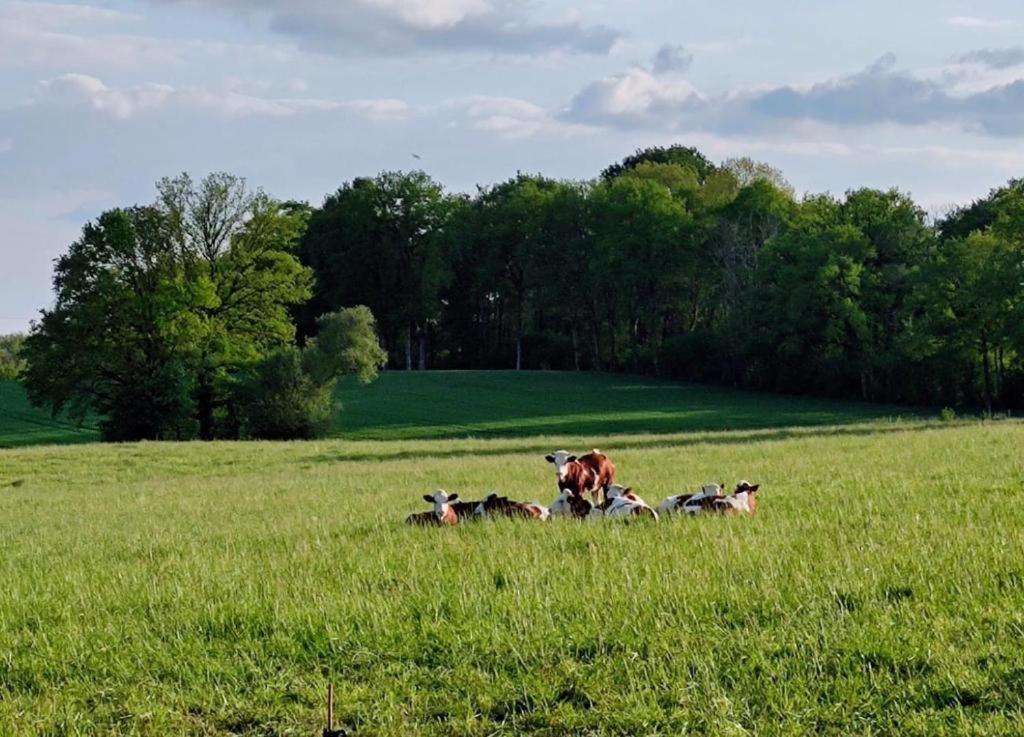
{"points": [[381, 242], [12, 363], [237, 246], [747, 171], [289, 393], [969, 306], [646, 265], [685, 156], [115, 344], [901, 241], [808, 324], [159, 307], [346, 343]]}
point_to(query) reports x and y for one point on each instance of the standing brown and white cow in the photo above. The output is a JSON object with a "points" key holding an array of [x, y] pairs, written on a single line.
{"points": [[592, 472]]}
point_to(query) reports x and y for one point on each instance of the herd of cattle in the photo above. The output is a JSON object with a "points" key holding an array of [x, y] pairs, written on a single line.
{"points": [[592, 474]]}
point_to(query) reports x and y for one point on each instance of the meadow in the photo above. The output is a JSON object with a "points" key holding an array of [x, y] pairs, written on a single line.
{"points": [[215, 589]]}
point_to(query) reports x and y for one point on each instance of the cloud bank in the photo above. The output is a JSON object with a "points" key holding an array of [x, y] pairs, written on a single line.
{"points": [[881, 94], [406, 27]]}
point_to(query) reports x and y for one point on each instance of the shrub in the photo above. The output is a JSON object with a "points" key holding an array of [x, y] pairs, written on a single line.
{"points": [[280, 400]]}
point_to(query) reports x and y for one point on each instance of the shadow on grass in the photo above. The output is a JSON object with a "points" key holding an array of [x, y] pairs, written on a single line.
{"points": [[497, 404], [22, 425], [640, 443]]}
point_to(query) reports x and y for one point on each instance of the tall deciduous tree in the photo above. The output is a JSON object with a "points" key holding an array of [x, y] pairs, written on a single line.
{"points": [[381, 242], [159, 307], [237, 245]]}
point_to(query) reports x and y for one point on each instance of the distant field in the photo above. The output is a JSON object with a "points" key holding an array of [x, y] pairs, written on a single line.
{"points": [[459, 404], [22, 424], [215, 589]]}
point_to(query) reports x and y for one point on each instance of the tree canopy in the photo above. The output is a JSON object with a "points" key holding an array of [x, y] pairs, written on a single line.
{"points": [[217, 311]]}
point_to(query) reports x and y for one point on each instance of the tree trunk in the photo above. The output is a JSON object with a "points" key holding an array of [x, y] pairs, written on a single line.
{"points": [[408, 348], [575, 348], [987, 369], [204, 406], [423, 348], [521, 294], [1000, 377]]}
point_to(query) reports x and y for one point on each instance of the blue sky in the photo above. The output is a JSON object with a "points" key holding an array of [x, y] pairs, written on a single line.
{"points": [[99, 99]]}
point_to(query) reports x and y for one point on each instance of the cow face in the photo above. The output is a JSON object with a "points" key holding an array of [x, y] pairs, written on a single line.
{"points": [[568, 503], [745, 491], [440, 499], [561, 460], [617, 491]]}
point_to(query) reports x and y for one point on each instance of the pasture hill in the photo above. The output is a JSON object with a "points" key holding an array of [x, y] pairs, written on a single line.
{"points": [[216, 588]]}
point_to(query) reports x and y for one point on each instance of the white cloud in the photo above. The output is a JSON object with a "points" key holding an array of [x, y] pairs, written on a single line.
{"points": [[81, 90], [636, 96], [60, 36], [881, 94], [970, 21], [403, 27], [511, 118], [61, 15]]}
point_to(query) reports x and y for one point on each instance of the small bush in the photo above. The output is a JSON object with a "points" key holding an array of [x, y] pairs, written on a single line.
{"points": [[280, 400], [948, 414]]}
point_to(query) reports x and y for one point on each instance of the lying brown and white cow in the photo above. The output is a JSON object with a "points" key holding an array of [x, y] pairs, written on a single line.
{"points": [[712, 500], [444, 513], [623, 502], [501, 506], [741, 501], [702, 501], [592, 472], [572, 505]]}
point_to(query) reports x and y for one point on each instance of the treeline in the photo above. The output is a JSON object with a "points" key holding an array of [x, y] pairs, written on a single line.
{"points": [[219, 312], [669, 264]]}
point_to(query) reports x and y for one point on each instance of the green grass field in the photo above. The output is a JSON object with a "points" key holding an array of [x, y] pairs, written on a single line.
{"points": [[21, 424], [166, 589], [484, 404]]}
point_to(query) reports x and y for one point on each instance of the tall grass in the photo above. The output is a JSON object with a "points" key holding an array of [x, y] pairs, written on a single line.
{"points": [[215, 589]]}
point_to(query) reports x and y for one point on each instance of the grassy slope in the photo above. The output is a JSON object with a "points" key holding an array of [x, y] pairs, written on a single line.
{"points": [[461, 404], [21, 424], [214, 589]]}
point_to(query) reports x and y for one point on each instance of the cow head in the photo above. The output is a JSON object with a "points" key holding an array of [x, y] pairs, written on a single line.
{"points": [[561, 460], [616, 491], [440, 499], [578, 506], [744, 489]]}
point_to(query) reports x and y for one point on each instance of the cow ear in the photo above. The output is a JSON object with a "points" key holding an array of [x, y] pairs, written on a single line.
{"points": [[754, 488], [453, 498], [428, 499], [571, 459], [549, 459], [492, 496]]}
